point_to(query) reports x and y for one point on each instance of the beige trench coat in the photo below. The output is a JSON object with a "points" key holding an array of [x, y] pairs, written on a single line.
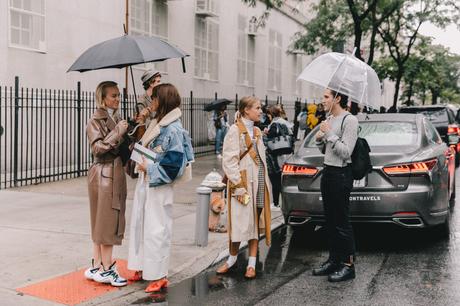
{"points": [[106, 179], [243, 221]]}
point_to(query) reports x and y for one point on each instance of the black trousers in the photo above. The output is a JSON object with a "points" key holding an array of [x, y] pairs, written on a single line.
{"points": [[275, 179], [336, 185]]}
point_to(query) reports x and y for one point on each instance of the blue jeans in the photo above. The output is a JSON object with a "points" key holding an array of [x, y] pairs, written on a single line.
{"points": [[220, 135]]}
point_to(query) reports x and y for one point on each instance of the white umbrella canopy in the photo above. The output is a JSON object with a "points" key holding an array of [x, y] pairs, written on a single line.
{"points": [[345, 74]]}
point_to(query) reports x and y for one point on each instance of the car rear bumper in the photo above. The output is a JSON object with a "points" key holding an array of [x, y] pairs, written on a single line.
{"points": [[416, 207]]}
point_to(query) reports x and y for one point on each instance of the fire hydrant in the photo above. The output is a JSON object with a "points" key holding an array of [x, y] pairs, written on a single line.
{"points": [[210, 198]]}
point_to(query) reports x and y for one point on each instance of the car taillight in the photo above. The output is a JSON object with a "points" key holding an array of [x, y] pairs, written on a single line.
{"points": [[453, 129], [411, 168], [299, 170]]}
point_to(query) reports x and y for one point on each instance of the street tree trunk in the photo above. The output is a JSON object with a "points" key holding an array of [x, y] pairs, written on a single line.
{"points": [[434, 96], [397, 85], [409, 94]]}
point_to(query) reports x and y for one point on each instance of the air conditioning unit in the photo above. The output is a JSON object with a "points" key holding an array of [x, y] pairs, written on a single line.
{"points": [[298, 51], [252, 27], [205, 8], [42, 46]]}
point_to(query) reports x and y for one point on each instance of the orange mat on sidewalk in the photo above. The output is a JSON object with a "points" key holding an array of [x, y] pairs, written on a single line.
{"points": [[73, 288]]}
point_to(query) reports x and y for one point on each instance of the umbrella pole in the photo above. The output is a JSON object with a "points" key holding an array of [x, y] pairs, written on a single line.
{"points": [[134, 86]]}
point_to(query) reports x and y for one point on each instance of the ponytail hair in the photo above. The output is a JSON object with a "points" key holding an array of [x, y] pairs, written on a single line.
{"points": [[245, 102]]}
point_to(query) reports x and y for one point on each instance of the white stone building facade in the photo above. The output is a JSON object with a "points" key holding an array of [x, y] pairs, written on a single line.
{"points": [[40, 39]]}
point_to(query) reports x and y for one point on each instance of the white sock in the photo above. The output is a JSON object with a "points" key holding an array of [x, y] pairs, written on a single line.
{"points": [[231, 260], [252, 262]]}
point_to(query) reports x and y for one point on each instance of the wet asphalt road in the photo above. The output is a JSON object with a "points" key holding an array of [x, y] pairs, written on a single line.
{"points": [[394, 266]]}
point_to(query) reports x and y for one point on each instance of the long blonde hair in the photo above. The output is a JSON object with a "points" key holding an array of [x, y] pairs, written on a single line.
{"points": [[101, 92]]}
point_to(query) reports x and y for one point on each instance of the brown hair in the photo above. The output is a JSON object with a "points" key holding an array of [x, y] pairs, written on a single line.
{"points": [[168, 99], [101, 92], [275, 111], [248, 101]]}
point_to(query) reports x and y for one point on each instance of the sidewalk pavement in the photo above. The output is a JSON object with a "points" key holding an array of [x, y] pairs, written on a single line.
{"points": [[45, 233]]}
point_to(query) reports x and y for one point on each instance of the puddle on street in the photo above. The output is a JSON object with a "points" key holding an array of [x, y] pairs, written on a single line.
{"points": [[294, 252], [207, 286]]}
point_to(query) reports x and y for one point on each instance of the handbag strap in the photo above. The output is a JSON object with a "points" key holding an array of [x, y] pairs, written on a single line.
{"points": [[246, 152]]}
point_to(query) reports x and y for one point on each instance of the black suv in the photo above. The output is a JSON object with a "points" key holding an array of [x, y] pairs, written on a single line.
{"points": [[446, 120]]}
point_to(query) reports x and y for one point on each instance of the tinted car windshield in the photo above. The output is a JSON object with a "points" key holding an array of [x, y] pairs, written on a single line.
{"points": [[382, 134], [434, 115]]}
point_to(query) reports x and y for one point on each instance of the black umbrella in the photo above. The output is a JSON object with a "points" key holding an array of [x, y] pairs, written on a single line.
{"points": [[126, 51], [216, 104]]}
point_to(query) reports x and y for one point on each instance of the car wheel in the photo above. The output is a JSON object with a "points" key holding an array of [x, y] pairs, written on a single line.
{"points": [[444, 229]]}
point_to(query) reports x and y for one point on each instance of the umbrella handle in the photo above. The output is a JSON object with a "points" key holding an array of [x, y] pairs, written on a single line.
{"points": [[183, 64]]}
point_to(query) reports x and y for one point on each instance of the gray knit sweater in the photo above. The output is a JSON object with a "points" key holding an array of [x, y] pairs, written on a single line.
{"points": [[336, 146]]}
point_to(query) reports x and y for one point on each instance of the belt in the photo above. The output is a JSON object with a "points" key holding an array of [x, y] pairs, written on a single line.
{"points": [[336, 167]]}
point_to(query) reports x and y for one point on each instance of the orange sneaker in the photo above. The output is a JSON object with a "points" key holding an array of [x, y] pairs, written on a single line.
{"points": [[136, 277], [157, 285]]}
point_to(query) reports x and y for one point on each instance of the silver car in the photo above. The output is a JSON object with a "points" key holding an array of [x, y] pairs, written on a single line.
{"points": [[412, 183]]}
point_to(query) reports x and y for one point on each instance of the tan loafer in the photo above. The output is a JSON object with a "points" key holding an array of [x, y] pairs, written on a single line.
{"points": [[250, 273], [223, 269]]}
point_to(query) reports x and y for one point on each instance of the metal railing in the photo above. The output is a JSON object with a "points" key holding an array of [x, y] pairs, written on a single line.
{"points": [[43, 131]]}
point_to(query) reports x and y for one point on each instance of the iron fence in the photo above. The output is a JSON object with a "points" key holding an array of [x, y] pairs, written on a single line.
{"points": [[43, 138]]}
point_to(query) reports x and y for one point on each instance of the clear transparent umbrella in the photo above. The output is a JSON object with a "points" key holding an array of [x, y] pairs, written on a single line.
{"points": [[345, 74]]}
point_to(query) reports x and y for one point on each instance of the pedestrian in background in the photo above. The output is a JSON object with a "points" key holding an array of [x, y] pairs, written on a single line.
{"points": [[151, 219], [312, 120], [150, 79], [279, 130], [248, 187], [320, 113], [302, 119], [220, 118], [336, 140], [265, 119], [106, 184]]}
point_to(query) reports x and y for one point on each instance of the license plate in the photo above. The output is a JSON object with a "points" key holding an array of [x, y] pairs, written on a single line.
{"points": [[360, 183]]}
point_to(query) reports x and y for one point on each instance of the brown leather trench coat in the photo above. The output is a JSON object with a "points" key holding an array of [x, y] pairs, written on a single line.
{"points": [[106, 179]]}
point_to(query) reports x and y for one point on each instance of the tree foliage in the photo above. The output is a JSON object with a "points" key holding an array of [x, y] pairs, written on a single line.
{"points": [[401, 31]]}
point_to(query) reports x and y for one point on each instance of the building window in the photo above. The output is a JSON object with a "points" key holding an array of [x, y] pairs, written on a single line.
{"points": [[206, 48], [296, 70], [275, 45], [149, 18], [27, 24], [246, 54]]}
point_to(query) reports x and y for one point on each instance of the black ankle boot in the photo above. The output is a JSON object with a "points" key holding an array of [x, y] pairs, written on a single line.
{"points": [[345, 272], [326, 268]]}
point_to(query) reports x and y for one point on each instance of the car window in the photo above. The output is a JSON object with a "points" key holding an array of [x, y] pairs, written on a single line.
{"points": [[431, 132], [434, 115], [382, 134], [450, 114]]}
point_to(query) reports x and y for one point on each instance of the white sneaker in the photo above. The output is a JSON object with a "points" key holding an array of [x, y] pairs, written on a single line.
{"points": [[274, 208], [90, 272], [219, 156], [110, 276]]}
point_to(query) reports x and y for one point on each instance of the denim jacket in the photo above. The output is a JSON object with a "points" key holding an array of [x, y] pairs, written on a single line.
{"points": [[174, 150]]}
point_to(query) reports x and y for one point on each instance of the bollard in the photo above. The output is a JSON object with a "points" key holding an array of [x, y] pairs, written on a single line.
{"points": [[202, 216]]}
